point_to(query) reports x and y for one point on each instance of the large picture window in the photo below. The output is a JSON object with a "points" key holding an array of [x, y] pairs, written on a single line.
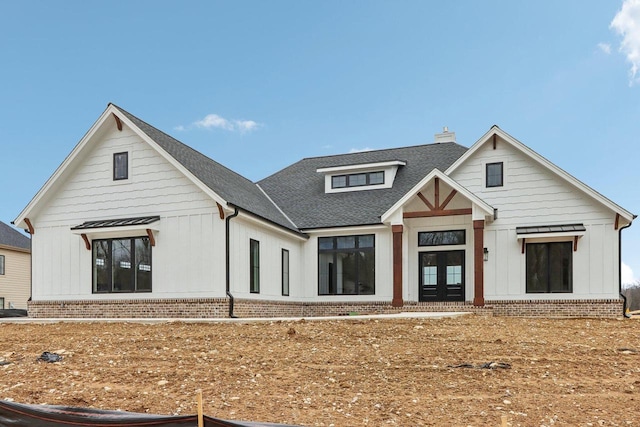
{"points": [[122, 265], [549, 267], [346, 265], [254, 266]]}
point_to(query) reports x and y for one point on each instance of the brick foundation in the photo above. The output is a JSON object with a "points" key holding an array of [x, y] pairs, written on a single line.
{"points": [[219, 308], [610, 308]]}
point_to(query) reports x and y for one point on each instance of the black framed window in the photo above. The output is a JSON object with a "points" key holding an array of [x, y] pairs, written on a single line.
{"points": [[357, 179], [120, 166], [285, 272], [441, 238], [346, 265], [549, 267], [254, 266], [122, 265], [1, 265], [495, 174]]}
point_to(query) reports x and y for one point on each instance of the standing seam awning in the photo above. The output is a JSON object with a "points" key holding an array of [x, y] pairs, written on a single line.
{"points": [[541, 231], [105, 223]]}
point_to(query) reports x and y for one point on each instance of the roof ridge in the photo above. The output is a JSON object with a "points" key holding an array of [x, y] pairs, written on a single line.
{"points": [[382, 149]]}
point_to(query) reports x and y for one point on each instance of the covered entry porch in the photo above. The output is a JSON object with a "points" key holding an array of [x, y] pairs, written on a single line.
{"points": [[438, 243]]}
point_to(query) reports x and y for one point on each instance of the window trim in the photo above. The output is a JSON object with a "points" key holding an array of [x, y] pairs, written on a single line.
{"points": [[2, 265], [254, 269], [486, 174], [547, 245], [133, 240], [126, 168], [284, 254]]}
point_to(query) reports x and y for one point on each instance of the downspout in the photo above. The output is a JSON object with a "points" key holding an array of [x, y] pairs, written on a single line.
{"points": [[227, 259], [624, 298]]}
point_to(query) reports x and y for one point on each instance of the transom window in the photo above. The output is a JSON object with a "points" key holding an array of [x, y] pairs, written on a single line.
{"points": [[441, 238], [122, 265], [549, 267], [357, 179], [346, 265], [120, 166], [495, 174]]}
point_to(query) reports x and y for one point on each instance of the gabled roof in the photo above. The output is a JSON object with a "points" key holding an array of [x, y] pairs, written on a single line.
{"points": [[10, 237], [222, 184], [235, 189], [299, 189], [485, 209], [487, 137]]}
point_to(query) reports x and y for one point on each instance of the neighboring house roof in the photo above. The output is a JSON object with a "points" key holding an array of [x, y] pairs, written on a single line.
{"points": [[232, 187], [11, 237], [299, 190]]}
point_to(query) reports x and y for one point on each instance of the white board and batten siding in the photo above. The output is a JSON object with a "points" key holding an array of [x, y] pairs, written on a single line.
{"points": [[188, 259], [534, 195], [243, 229]]}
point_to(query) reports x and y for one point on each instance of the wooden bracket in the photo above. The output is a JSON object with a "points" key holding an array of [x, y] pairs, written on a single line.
{"points": [[494, 141], [87, 244], [118, 122], [220, 211], [30, 226], [617, 223], [575, 243], [426, 202], [152, 239], [523, 239]]}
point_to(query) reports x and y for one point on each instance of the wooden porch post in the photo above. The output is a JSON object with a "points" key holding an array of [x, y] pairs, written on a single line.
{"points": [[397, 266], [478, 262]]}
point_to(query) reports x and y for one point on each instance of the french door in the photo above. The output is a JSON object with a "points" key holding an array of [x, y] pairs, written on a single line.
{"points": [[442, 276]]}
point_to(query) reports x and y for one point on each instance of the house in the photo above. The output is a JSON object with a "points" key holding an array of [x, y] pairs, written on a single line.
{"points": [[136, 224], [15, 268]]}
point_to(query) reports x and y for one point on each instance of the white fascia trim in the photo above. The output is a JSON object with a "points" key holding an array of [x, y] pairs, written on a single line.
{"points": [[344, 231], [208, 191], [250, 217], [361, 166], [53, 179], [628, 216], [436, 173]]}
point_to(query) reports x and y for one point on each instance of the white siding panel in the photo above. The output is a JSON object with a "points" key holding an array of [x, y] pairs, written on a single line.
{"points": [[532, 195]]}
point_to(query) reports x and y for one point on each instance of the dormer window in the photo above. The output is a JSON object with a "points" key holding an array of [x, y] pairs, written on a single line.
{"points": [[120, 166], [366, 176], [357, 179]]}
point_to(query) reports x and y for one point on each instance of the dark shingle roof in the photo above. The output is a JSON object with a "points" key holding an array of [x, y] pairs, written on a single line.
{"points": [[232, 187], [9, 236], [299, 190]]}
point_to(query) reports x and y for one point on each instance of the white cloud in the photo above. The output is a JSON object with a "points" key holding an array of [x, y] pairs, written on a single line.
{"points": [[605, 47], [627, 276], [627, 24], [360, 150], [214, 121]]}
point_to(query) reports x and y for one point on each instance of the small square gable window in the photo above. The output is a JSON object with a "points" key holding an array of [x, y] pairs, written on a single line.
{"points": [[120, 166]]}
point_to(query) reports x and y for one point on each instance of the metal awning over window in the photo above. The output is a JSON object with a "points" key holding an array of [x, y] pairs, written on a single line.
{"points": [[117, 228], [105, 223], [551, 231]]}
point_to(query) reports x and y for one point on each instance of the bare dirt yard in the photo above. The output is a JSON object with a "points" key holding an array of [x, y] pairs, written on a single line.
{"points": [[355, 372]]}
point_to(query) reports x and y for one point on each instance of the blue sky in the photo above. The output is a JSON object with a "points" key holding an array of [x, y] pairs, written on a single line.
{"points": [[257, 85]]}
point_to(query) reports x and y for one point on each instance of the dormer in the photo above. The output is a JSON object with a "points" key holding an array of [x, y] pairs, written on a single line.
{"points": [[366, 176]]}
